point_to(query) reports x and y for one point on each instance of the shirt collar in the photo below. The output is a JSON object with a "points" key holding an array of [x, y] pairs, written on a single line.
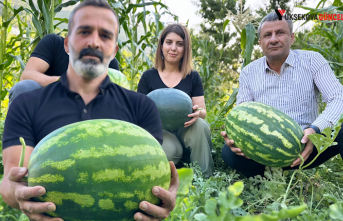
{"points": [[289, 61], [104, 85]]}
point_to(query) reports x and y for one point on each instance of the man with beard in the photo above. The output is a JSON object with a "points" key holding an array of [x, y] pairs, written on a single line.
{"points": [[84, 92], [47, 63]]}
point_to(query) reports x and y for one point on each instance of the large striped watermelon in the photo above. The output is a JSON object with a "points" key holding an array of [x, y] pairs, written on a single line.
{"points": [[118, 78], [98, 169], [265, 134], [173, 105]]}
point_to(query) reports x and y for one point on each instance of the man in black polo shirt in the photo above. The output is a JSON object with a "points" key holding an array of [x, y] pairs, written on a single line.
{"points": [[47, 63], [84, 92]]}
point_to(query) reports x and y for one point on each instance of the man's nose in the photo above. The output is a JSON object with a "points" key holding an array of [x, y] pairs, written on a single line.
{"points": [[94, 40], [274, 39]]}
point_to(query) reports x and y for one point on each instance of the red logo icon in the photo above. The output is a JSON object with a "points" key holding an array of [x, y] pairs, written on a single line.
{"points": [[282, 11]]}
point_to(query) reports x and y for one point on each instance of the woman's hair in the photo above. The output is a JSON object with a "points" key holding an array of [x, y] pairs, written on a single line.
{"points": [[186, 61]]}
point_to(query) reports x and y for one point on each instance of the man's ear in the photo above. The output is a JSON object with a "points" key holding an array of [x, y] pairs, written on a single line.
{"points": [[66, 45], [259, 41], [115, 52], [292, 38]]}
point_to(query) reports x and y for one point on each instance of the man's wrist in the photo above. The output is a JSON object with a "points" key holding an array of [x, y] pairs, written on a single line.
{"points": [[315, 128]]}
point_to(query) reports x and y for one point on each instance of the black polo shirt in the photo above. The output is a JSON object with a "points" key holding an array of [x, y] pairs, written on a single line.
{"points": [[35, 114]]}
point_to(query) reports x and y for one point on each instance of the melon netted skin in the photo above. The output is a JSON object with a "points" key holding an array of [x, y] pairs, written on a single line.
{"points": [[98, 170], [264, 134], [173, 105]]}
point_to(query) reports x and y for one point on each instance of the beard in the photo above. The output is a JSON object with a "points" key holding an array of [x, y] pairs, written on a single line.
{"points": [[88, 69]]}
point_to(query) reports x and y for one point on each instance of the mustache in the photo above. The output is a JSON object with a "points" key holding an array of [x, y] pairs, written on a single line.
{"points": [[91, 52]]}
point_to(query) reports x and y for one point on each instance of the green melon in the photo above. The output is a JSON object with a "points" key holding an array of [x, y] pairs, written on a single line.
{"points": [[265, 134], [118, 78], [173, 105], [98, 170]]}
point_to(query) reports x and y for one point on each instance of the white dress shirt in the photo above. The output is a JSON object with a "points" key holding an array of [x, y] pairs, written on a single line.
{"points": [[296, 90]]}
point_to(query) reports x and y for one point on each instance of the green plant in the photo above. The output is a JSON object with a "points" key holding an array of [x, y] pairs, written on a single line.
{"points": [[328, 36]]}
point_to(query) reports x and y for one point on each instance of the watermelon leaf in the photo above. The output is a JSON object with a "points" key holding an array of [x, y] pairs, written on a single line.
{"points": [[336, 211], [326, 139], [185, 179], [285, 213], [219, 209]]}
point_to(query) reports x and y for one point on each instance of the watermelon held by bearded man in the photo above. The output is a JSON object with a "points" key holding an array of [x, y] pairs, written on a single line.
{"points": [[264, 134], [98, 170], [173, 105]]}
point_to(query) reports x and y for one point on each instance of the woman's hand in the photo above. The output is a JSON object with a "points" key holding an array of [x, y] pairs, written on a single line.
{"points": [[195, 115]]}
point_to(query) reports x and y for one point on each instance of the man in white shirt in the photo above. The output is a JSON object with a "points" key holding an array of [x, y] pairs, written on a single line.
{"points": [[291, 81]]}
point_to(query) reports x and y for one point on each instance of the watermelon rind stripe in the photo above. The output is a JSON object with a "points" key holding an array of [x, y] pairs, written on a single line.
{"points": [[264, 133], [69, 175]]}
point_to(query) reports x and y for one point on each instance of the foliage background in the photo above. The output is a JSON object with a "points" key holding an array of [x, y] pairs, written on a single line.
{"points": [[219, 64]]}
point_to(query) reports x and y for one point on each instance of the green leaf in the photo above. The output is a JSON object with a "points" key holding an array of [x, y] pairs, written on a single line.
{"points": [[118, 5], [40, 6], [7, 63], [144, 17], [331, 197], [135, 6], [291, 211], [3, 94], [46, 16], [66, 4], [37, 25], [243, 39], [336, 63], [250, 38], [15, 12], [23, 217], [33, 8], [336, 211], [337, 3], [211, 207], [226, 22], [327, 138], [283, 214], [185, 179], [21, 62], [237, 188], [229, 103]]}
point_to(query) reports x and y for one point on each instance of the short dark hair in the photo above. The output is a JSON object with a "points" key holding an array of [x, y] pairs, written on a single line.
{"points": [[274, 17], [95, 3], [186, 61]]}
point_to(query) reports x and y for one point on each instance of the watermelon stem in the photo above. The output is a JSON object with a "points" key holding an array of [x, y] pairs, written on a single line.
{"points": [[289, 185], [22, 156], [309, 180], [300, 173], [311, 161], [290, 182], [302, 162]]}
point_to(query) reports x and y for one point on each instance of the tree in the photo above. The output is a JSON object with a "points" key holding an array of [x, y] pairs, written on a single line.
{"points": [[215, 13], [278, 4]]}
